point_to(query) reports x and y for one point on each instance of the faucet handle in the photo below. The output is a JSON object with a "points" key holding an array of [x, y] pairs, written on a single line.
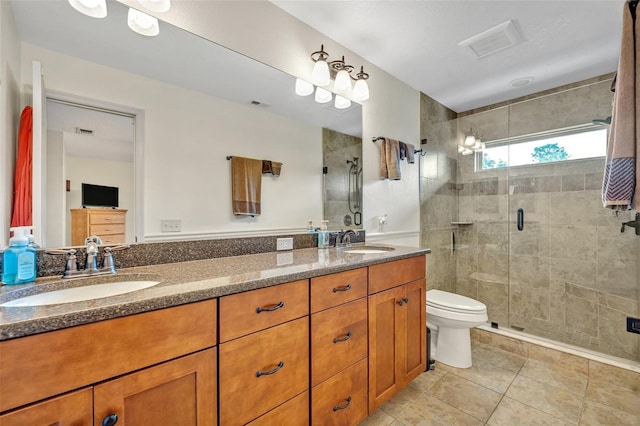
{"points": [[108, 264], [71, 266]]}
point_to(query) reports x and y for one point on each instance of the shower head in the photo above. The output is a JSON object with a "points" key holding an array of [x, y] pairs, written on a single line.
{"points": [[602, 121]]}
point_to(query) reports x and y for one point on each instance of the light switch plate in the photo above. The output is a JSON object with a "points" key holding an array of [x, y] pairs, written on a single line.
{"points": [[170, 225], [284, 244]]}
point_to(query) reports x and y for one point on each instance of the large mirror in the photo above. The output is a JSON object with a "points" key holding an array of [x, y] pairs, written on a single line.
{"points": [[156, 118]]}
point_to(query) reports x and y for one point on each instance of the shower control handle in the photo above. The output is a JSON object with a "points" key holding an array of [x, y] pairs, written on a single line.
{"points": [[520, 220]]}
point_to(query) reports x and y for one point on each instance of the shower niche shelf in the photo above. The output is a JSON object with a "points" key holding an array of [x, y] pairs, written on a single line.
{"points": [[462, 223]]}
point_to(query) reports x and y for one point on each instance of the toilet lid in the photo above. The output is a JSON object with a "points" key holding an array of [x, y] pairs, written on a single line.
{"points": [[453, 302]]}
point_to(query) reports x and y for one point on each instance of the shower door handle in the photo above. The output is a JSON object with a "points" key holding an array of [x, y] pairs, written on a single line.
{"points": [[520, 220]]}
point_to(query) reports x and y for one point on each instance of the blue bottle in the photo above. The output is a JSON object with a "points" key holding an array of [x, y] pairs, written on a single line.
{"points": [[19, 259]]}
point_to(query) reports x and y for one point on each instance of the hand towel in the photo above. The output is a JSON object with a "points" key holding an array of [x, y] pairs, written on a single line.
{"points": [[619, 190], [246, 185], [384, 172], [403, 150], [411, 150], [275, 168], [267, 167], [393, 159]]}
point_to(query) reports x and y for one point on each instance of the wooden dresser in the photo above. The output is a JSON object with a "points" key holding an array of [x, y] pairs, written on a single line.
{"points": [[108, 224]]}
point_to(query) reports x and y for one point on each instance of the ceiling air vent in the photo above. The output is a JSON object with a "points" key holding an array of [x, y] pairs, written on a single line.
{"points": [[83, 131], [493, 40]]}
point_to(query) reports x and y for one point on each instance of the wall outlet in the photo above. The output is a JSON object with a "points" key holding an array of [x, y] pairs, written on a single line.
{"points": [[284, 244], [633, 325], [170, 225]]}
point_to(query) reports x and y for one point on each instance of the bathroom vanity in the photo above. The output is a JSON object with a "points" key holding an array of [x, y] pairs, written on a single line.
{"points": [[304, 337]]}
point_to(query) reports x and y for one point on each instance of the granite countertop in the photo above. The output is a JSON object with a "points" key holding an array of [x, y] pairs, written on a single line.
{"points": [[180, 283]]}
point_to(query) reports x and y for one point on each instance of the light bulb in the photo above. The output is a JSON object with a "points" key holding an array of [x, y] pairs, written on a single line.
{"points": [[360, 90], [303, 88], [467, 151], [461, 149], [323, 96], [470, 140], [342, 83], [142, 23], [156, 5], [93, 8], [320, 74], [342, 103]]}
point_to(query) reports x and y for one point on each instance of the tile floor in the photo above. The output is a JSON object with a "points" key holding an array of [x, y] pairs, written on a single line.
{"points": [[512, 383]]}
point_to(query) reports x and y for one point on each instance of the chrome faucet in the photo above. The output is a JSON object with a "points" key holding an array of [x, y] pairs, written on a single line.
{"points": [[343, 239], [91, 261]]}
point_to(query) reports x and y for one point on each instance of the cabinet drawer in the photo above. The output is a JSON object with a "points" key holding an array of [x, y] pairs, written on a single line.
{"points": [[244, 313], [107, 229], [341, 400], [335, 289], [261, 371], [392, 274], [112, 239], [338, 339], [71, 409], [106, 218], [294, 412]]}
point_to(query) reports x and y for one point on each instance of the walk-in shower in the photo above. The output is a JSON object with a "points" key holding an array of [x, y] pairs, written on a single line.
{"points": [[561, 269], [354, 191]]}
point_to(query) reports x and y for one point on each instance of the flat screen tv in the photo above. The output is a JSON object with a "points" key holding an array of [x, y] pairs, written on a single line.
{"points": [[99, 196]]}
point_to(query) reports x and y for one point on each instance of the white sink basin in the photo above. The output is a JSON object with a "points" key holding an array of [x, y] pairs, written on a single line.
{"points": [[78, 294], [368, 250]]}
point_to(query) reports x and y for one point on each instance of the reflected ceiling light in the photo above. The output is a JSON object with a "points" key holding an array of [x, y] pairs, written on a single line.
{"points": [[93, 8], [156, 5], [303, 88], [323, 95], [472, 143], [464, 150], [142, 23], [342, 103], [324, 70], [470, 138]]}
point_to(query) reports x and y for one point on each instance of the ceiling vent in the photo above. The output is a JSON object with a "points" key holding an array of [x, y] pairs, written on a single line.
{"points": [[493, 40], [83, 131]]}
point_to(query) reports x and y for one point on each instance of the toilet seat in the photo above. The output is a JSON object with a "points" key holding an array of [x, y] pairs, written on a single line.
{"points": [[454, 302]]}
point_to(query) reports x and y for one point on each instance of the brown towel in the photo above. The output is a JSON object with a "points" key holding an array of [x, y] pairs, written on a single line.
{"points": [[275, 168], [267, 167], [390, 159], [622, 171], [246, 185]]}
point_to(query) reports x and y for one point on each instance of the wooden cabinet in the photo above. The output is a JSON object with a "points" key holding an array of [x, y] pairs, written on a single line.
{"points": [[397, 327], [181, 392], [294, 412], [335, 289], [108, 224], [74, 409]]}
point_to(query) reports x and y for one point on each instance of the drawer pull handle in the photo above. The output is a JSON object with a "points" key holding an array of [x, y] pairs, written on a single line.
{"points": [[110, 420], [343, 406], [271, 308], [342, 288], [342, 339], [403, 301], [270, 372]]}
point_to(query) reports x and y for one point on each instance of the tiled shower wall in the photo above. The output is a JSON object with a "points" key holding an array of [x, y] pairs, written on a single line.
{"points": [[571, 275], [337, 148]]}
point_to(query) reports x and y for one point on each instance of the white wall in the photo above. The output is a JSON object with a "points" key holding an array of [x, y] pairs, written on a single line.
{"points": [[187, 137], [264, 32], [56, 190], [9, 114]]}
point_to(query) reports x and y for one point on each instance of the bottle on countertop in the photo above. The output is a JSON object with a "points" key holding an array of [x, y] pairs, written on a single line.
{"points": [[19, 259], [323, 235], [310, 227]]}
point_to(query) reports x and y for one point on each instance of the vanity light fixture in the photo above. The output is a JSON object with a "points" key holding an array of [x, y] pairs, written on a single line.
{"points": [[303, 88], [342, 103], [320, 74], [93, 8], [142, 23], [156, 5], [472, 143], [470, 138], [323, 95]]}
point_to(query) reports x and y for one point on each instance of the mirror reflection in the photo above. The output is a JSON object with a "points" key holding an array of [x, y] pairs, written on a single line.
{"points": [[156, 117]]}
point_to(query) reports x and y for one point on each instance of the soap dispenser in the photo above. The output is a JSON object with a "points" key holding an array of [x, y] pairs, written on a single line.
{"points": [[19, 259], [323, 235]]}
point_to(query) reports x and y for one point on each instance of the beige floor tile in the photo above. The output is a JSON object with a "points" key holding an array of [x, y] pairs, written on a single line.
{"points": [[511, 412], [614, 396], [429, 411], [484, 374], [425, 381], [377, 418], [466, 396], [504, 359], [596, 415], [567, 361], [508, 344], [396, 405], [618, 376], [550, 399], [556, 374]]}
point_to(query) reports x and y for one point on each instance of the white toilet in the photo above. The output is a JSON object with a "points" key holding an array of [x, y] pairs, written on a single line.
{"points": [[449, 317]]}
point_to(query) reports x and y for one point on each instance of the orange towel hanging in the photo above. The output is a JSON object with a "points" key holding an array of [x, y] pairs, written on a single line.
{"points": [[22, 184]]}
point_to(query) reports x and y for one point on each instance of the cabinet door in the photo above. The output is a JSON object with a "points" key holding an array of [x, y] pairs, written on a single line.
{"points": [[181, 392], [74, 409], [384, 351], [412, 331]]}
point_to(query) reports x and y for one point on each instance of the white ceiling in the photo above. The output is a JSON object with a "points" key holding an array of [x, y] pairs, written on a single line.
{"points": [[564, 41]]}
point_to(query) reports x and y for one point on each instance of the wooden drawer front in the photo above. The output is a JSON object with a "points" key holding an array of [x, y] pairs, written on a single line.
{"points": [[341, 400], [107, 218], [244, 313], [52, 363], [107, 229], [335, 289], [388, 275], [247, 390], [72, 409], [332, 350], [112, 239], [294, 412]]}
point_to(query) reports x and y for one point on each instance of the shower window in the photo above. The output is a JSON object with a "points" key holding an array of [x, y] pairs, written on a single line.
{"points": [[573, 143]]}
